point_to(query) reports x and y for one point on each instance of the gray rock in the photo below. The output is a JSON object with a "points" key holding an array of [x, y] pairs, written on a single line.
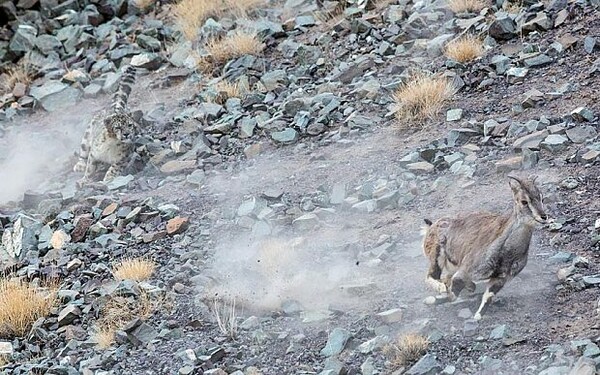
{"points": [[454, 114], [366, 206], [92, 90], [47, 43], [420, 167], [55, 95], [305, 21], [288, 135], [119, 182], [538, 61], [68, 314], [591, 280], [457, 137], [503, 28], [582, 114], [21, 238], [390, 316], [499, 332], [561, 257], [372, 344], [581, 134], [247, 126], [196, 178], [143, 334], [307, 221], [584, 366], [531, 141], [147, 60], [427, 365], [368, 367], [590, 156], [529, 158], [273, 79], [148, 42], [470, 327], [24, 39], [555, 143], [436, 45], [540, 22], [336, 342], [589, 43], [210, 111], [501, 62], [6, 349], [515, 75]]}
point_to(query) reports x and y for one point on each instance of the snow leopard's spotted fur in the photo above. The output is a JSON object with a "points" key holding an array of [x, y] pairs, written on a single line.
{"points": [[109, 138]]}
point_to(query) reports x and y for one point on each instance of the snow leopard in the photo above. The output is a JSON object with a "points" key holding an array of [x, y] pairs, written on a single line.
{"points": [[110, 135]]}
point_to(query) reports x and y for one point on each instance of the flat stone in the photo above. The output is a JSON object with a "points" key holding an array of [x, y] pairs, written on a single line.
{"points": [[390, 316], [499, 332], [307, 221], [555, 143], [503, 28], [511, 164], [454, 114], [515, 74], [6, 348], [177, 225], [177, 166], [68, 314], [590, 156], [420, 167], [581, 134], [143, 334], [538, 61], [470, 327], [368, 205], [531, 141], [287, 135], [336, 342], [427, 365], [582, 114], [147, 60]]}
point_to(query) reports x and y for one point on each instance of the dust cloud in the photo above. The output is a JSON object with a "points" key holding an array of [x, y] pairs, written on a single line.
{"points": [[319, 272], [36, 149]]}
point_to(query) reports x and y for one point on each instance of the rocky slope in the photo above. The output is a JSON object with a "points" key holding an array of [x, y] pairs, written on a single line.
{"points": [[300, 199]]}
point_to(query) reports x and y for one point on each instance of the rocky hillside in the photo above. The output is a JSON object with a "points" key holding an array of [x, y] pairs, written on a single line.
{"points": [[292, 151]]}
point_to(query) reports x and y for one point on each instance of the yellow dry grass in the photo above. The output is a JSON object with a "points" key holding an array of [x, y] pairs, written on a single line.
{"points": [[120, 310], [422, 97], [191, 14], [235, 45], [513, 7], [466, 6], [137, 269], [226, 89], [18, 73], [21, 304], [144, 4], [465, 48], [406, 349]]}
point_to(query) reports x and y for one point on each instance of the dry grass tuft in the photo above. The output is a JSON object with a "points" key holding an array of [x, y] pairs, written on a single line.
{"points": [[191, 14], [226, 89], [513, 7], [465, 48], [466, 6], [144, 4], [221, 50], [118, 311], [137, 269], [226, 317], [21, 304], [406, 349], [235, 45], [22, 72], [422, 97]]}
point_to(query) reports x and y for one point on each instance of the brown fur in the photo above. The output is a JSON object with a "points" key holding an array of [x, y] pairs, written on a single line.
{"points": [[483, 245]]}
